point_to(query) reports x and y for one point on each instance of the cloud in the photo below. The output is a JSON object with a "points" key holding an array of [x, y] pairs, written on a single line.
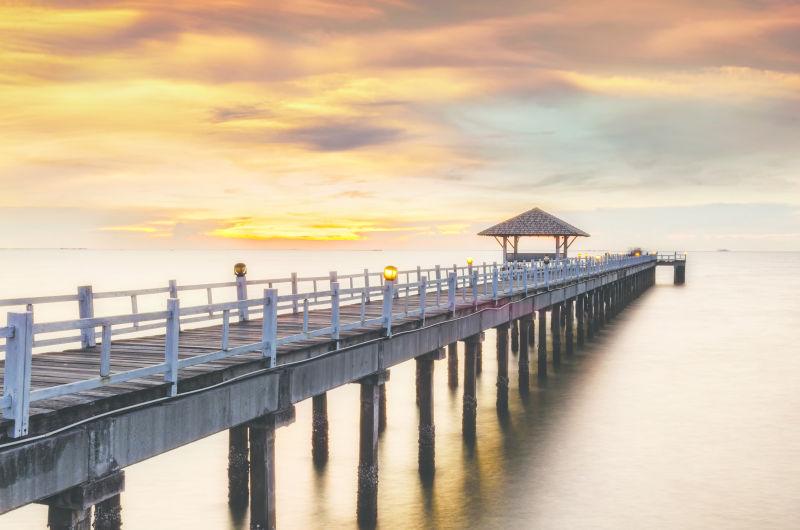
{"points": [[205, 112], [339, 136], [239, 112]]}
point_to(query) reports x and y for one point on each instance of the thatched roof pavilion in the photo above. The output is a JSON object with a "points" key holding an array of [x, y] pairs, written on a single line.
{"points": [[533, 223]]}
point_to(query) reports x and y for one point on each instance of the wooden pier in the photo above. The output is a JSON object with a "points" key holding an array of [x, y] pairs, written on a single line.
{"points": [[80, 405]]}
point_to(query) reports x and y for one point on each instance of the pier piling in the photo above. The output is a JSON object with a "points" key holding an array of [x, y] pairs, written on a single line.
{"points": [[452, 365], [532, 330], [319, 429], [238, 468], [108, 514], [569, 334], [479, 355], [427, 428], [555, 331], [367, 505], [679, 276], [381, 408], [524, 358], [60, 518], [541, 359], [470, 400], [71, 509], [515, 336], [502, 369], [262, 473], [579, 312]]}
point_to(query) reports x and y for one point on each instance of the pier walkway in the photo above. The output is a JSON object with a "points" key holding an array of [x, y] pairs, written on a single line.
{"points": [[86, 397]]}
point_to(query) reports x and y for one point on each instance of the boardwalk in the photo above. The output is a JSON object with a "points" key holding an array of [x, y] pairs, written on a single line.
{"points": [[93, 410]]}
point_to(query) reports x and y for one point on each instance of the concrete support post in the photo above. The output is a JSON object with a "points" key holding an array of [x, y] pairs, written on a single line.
{"points": [[541, 359], [381, 408], [262, 473], [601, 306], [532, 331], [71, 509], [238, 468], [579, 313], [59, 518], [596, 306], [569, 334], [515, 336], [502, 368], [679, 276], [368, 453], [427, 428], [470, 402], [479, 356], [589, 303], [108, 514], [452, 365], [319, 429], [524, 360], [555, 331]]}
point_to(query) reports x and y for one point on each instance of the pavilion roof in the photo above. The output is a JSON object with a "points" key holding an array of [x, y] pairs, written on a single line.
{"points": [[535, 222]]}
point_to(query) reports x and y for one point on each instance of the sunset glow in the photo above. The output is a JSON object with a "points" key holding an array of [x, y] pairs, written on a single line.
{"points": [[396, 123]]}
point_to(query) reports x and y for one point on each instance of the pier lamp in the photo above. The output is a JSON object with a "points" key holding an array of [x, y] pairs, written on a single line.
{"points": [[240, 269], [390, 273], [469, 261], [546, 260]]}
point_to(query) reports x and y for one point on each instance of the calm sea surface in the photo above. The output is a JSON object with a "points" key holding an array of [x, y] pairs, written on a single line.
{"points": [[683, 413]]}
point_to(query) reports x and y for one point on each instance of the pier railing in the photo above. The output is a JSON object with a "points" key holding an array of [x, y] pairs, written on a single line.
{"points": [[423, 291], [670, 257]]}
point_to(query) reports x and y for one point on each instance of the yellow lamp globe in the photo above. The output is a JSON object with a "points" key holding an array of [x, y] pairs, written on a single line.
{"points": [[390, 273], [240, 269], [469, 261]]}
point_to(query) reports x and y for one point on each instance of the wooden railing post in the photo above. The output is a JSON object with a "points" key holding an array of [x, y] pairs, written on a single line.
{"points": [[86, 310], [17, 375], [295, 305], [173, 289], [451, 291], [438, 286], [422, 291], [366, 284], [226, 327], [335, 321], [171, 344], [269, 327], [495, 274], [241, 295], [105, 351], [474, 284], [525, 277], [386, 312]]}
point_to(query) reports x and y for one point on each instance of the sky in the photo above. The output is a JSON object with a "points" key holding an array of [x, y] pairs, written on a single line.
{"points": [[398, 123]]}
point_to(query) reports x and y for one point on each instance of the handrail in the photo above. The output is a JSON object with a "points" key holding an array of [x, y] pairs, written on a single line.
{"points": [[448, 287]]}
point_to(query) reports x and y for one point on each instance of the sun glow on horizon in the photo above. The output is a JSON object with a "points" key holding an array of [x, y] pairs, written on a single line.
{"points": [[344, 122]]}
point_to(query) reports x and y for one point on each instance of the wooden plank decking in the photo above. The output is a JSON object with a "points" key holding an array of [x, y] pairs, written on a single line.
{"points": [[61, 367]]}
